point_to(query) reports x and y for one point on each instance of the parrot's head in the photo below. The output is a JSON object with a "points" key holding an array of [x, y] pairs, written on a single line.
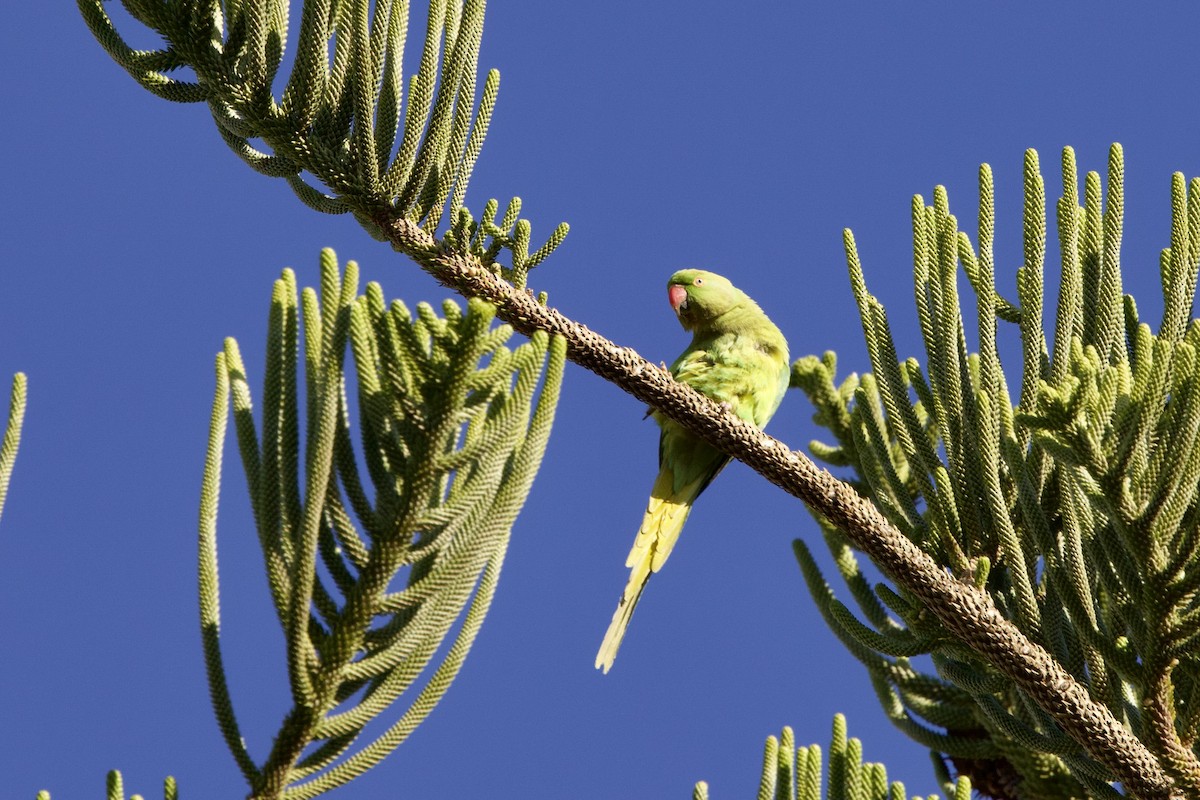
{"points": [[700, 297]]}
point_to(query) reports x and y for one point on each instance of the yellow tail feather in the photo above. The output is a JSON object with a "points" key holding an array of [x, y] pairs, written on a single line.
{"points": [[638, 579], [655, 539]]}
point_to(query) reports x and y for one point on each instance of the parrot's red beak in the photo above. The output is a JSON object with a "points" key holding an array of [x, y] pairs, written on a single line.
{"points": [[678, 297]]}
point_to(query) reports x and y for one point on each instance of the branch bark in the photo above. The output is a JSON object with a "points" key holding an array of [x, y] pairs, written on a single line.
{"points": [[962, 609]]}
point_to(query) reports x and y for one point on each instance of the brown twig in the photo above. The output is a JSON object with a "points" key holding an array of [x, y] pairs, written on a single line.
{"points": [[964, 610]]}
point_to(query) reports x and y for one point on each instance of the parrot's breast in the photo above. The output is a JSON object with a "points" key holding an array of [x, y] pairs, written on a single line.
{"points": [[740, 370]]}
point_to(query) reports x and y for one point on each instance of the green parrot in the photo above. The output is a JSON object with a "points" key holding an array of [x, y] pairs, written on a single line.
{"points": [[738, 358]]}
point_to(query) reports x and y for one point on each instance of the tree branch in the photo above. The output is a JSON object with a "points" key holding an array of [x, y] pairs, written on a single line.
{"points": [[962, 609]]}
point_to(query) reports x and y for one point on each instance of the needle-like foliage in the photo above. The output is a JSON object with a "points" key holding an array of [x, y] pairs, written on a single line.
{"points": [[12, 433], [372, 560], [346, 132], [794, 773], [115, 789], [1076, 508]]}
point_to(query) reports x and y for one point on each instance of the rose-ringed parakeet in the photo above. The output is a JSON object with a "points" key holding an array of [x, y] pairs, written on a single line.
{"points": [[738, 358]]}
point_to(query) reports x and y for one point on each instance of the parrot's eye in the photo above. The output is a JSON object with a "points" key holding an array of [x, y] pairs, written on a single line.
{"points": [[698, 282]]}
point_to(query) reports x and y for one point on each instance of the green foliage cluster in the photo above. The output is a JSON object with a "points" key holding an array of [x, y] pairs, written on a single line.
{"points": [[1075, 508], [115, 789], [343, 120], [794, 773], [368, 580]]}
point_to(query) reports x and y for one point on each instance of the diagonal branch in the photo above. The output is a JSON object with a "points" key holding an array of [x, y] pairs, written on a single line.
{"points": [[965, 611]]}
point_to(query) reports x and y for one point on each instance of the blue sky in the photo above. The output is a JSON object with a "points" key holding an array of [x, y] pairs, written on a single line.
{"points": [[670, 135]]}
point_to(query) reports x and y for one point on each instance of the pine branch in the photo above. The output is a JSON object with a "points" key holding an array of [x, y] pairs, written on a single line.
{"points": [[1076, 509], [12, 433], [115, 789], [339, 117], [964, 610], [453, 428], [794, 773]]}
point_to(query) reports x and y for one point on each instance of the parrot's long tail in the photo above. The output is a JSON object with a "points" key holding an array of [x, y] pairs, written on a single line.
{"points": [[660, 530], [638, 579]]}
